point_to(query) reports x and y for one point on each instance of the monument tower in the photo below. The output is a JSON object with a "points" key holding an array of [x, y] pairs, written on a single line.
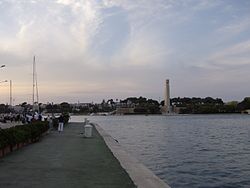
{"points": [[167, 97]]}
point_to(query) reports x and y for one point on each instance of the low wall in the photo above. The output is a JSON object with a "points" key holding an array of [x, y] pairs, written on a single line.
{"points": [[141, 175]]}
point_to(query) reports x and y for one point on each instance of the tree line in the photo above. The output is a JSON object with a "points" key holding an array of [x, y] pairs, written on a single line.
{"points": [[142, 105], [209, 105]]}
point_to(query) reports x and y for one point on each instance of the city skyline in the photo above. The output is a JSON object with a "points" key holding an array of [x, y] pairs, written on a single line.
{"points": [[92, 50]]}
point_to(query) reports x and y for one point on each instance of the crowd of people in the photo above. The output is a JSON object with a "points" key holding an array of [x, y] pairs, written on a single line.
{"points": [[27, 118], [23, 118]]}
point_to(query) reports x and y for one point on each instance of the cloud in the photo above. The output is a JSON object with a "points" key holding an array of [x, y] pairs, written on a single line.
{"points": [[117, 47], [72, 27], [234, 56], [141, 13], [65, 2], [235, 28], [205, 4], [142, 51]]}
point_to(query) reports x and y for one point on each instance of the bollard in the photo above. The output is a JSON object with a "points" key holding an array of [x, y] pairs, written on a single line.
{"points": [[88, 131]]}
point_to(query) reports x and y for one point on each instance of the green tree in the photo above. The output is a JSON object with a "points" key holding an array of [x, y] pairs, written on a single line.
{"points": [[65, 107], [244, 105]]}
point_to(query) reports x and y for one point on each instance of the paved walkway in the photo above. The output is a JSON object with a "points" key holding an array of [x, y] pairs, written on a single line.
{"points": [[64, 160]]}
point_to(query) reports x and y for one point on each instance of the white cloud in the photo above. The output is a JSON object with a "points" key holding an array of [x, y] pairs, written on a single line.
{"points": [[144, 50], [234, 28], [236, 55], [58, 30], [65, 2], [63, 33]]}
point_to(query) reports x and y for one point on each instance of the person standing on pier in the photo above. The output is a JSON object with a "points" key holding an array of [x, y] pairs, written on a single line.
{"points": [[60, 125]]}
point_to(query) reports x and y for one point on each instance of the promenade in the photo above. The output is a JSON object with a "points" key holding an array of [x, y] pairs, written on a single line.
{"points": [[64, 160]]}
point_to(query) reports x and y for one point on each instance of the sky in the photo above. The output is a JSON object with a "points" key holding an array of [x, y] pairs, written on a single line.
{"points": [[89, 50]]}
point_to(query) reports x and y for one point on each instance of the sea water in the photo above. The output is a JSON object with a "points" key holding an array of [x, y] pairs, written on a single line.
{"points": [[186, 150]]}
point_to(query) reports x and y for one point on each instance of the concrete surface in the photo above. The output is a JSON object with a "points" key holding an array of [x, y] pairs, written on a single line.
{"points": [[64, 160]]}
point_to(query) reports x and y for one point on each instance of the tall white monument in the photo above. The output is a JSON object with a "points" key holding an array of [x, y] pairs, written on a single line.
{"points": [[167, 97]]}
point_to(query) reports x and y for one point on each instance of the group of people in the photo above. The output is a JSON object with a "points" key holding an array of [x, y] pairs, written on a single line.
{"points": [[60, 122], [32, 117], [12, 117], [24, 118]]}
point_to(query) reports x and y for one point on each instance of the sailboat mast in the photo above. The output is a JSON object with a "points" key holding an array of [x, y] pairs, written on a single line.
{"points": [[33, 85], [37, 98]]}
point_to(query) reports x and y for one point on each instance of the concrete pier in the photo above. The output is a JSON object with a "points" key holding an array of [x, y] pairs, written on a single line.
{"points": [[64, 160], [68, 160]]}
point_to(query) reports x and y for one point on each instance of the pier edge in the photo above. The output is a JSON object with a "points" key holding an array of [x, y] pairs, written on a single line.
{"points": [[139, 173]]}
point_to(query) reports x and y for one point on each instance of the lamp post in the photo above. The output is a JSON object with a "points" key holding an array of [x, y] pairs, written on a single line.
{"points": [[11, 100], [2, 66], [10, 92], [3, 81]]}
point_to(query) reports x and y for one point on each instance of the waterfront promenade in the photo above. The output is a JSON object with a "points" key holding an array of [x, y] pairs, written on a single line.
{"points": [[64, 160]]}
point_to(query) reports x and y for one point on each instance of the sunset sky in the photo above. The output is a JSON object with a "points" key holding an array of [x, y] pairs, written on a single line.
{"points": [[89, 50]]}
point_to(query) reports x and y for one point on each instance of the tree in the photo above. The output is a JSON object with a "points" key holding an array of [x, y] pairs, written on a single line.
{"points": [[24, 104], [3, 108], [244, 105], [65, 107]]}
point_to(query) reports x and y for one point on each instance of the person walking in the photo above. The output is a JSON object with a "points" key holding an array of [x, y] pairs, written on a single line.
{"points": [[60, 125]]}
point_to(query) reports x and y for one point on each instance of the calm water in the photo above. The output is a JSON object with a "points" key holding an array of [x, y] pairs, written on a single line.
{"points": [[187, 151]]}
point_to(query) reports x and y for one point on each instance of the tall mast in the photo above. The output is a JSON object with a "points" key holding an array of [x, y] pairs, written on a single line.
{"points": [[33, 85], [37, 98]]}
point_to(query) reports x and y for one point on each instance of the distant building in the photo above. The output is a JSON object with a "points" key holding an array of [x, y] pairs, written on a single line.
{"points": [[246, 111]]}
